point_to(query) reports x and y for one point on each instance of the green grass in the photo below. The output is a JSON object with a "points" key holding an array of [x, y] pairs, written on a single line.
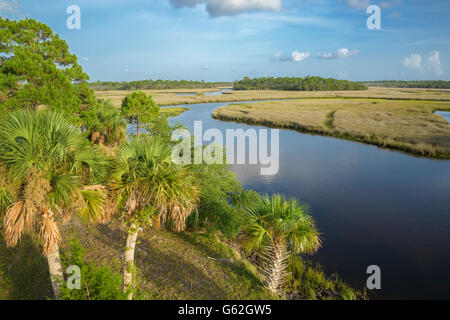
{"points": [[174, 112], [192, 266], [170, 266], [329, 122], [410, 126], [310, 282]]}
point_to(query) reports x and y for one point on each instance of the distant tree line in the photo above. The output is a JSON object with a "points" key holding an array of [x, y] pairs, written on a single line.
{"points": [[156, 85], [297, 84], [426, 84]]}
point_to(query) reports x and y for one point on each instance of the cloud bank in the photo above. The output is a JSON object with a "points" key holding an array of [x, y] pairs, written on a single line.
{"points": [[414, 61], [9, 6], [358, 4], [298, 56], [295, 56], [217, 8], [363, 4], [342, 53], [432, 63]]}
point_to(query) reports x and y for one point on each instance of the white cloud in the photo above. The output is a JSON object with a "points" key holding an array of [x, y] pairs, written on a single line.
{"points": [[9, 6], [433, 63], [298, 56], [358, 4], [391, 3], [414, 61], [364, 4], [218, 8], [278, 56], [295, 56], [85, 59], [342, 53]]}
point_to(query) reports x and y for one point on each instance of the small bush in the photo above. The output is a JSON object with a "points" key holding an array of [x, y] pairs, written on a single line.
{"points": [[310, 282], [219, 208], [97, 283]]}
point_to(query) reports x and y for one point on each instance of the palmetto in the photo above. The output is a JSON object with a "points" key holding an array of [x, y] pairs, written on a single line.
{"points": [[50, 172], [148, 187], [104, 124], [278, 227]]}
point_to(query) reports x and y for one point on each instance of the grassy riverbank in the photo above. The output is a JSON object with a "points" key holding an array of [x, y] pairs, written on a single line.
{"points": [[174, 112], [406, 125], [170, 266], [172, 97]]}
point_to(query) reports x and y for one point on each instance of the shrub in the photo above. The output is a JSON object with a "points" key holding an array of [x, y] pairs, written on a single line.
{"points": [[309, 281], [97, 283]]}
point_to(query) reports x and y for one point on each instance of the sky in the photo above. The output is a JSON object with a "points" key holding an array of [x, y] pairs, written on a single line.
{"points": [[225, 40]]}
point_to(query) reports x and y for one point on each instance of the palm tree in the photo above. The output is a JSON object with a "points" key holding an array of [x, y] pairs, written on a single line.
{"points": [[278, 227], [51, 172], [104, 124], [149, 187]]}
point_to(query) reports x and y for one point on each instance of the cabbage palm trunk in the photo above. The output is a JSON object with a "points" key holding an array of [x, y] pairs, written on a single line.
{"points": [[56, 271], [275, 274], [129, 269]]}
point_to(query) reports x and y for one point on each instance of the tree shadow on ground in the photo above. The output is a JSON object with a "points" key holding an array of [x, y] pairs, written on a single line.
{"points": [[235, 266], [24, 272], [166, 266]]}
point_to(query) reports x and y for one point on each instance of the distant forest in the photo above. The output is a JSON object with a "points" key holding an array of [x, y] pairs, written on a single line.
{"points": [[426, 84], [297, 84], [156, 85]]}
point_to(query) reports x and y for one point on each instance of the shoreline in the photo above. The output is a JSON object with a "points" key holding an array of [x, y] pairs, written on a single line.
{"points": [[171, 98], [422, 150]]}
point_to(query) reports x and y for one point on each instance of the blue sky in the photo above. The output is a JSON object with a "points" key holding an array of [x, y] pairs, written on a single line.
{"points": [[225, 40]]}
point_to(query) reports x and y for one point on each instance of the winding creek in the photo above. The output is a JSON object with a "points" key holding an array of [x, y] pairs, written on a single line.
{"points": [[373, 206]]}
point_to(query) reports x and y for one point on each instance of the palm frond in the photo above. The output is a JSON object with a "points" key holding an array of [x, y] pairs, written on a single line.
{"points": [[6, 199], [93, 209], [277, 217], [50, 160], [49, 234], [144, 176], [14, 224], [64, 188], [92, 163]]}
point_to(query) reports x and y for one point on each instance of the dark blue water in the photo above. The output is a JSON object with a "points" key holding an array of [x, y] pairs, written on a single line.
{"points": [[373, 206]]}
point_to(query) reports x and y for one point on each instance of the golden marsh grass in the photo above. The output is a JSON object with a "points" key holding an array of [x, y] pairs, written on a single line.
{"points": [[171, 97], [406, 125]]}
